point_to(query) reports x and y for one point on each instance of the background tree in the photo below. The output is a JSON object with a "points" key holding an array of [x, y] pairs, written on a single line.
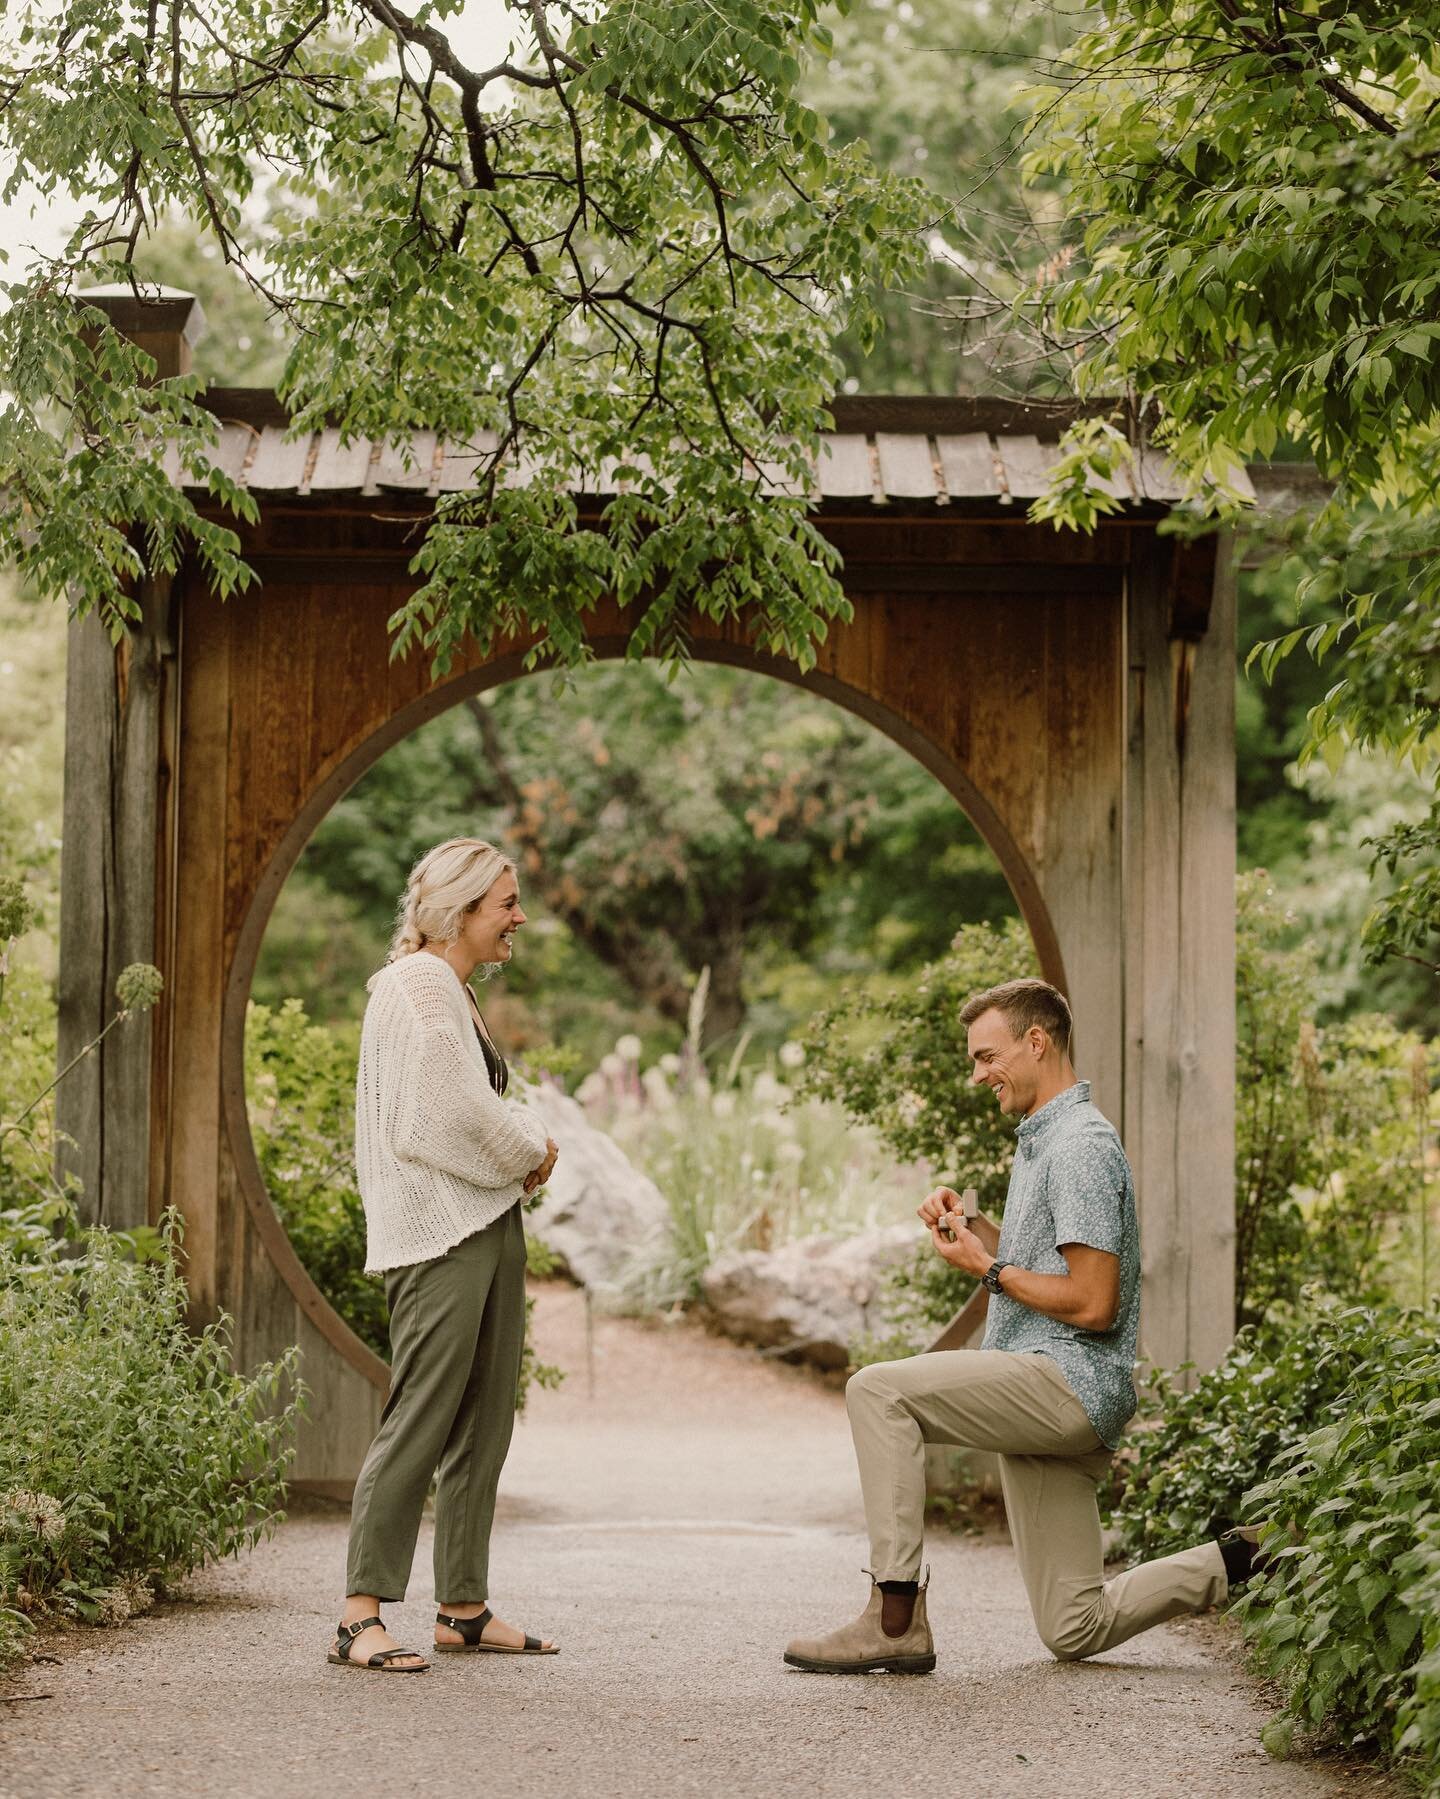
{"points": [[720, 820], [631, 212], [1254, 205], [939, 90]]}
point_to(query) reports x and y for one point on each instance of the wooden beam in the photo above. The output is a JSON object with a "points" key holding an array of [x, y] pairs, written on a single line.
{"points": [[281, 569], [1192, 587], [1179, 936], [115, 697]]}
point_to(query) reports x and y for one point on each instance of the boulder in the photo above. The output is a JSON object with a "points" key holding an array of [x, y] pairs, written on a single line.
{"points": [[599, 1214], [811, 1299]]}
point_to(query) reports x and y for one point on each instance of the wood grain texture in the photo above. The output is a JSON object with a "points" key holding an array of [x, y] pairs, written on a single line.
{"points": [[1178, 1114], [112, 831], [1012, 691]]}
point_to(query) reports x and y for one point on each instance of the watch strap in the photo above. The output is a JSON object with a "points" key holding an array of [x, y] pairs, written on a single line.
{"points": [[991, 1276]]}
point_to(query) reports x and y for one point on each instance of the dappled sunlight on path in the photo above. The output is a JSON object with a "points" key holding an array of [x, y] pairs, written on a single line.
{"points": [[671, 1515]]}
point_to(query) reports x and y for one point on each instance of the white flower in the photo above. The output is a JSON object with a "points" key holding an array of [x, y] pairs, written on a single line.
{"points": [[911, 1106], [27, 1514], [612, 1065], [627, 1047], [592, 1089], [723, 1105], [791, 1152], [657, 1089], [670, 1063], [112, 1607], [792, 1054], [766, 1090]]}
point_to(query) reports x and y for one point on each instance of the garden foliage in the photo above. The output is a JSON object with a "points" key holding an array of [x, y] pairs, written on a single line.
{"points": [[742, 1163], [1326, 1126], [1326, 1430], [1249, 252], [629, 209], [132, 1452]]}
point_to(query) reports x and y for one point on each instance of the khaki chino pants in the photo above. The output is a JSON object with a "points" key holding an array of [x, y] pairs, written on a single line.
{"points": [[1021, 1407]]}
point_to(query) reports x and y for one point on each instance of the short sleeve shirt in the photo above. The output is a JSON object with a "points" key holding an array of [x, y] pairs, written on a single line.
{"points": [[1071, 1183]]}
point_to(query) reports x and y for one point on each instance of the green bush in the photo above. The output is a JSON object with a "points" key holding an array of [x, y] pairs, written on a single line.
{"points": [[300, 1087], [1327, 1431], [1326, 1125], [1353, 1606], [898, 1062], [1195, 1454], [131, 1453]]}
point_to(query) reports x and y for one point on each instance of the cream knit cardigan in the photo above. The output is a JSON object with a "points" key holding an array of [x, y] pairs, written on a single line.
{"points": [[439, 1154]]}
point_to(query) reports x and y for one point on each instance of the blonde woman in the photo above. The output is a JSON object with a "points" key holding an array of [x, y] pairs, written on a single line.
{"points": [[443, 1160]]}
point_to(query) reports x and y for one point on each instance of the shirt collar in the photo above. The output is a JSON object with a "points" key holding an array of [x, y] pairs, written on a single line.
{"points": [[1030, 1130]]}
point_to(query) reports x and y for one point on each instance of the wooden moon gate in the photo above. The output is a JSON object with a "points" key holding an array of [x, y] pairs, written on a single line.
{"points": [[1074, 693]]}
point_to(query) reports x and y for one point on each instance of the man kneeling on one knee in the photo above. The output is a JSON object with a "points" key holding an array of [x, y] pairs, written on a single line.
{"points": [[1050, 1391]]}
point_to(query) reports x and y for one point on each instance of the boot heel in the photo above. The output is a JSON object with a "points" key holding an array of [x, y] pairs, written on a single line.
{"points": [[911, 1664]]}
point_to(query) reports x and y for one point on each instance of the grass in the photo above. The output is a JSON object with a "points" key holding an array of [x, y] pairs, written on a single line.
{"points": [[740, 1162]]}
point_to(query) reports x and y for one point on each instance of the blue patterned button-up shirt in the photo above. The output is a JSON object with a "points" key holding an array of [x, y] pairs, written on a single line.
{"points": [[1071, 1184]]}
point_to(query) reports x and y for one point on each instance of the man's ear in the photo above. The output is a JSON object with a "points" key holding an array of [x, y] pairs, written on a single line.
{"points": [[1039, 1040]]}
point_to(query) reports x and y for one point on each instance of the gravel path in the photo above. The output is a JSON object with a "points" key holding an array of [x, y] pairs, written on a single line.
{"points": [[671, 1516]]}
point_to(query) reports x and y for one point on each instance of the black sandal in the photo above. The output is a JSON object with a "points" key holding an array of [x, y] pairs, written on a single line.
{"points": [[473, 1628], [346, 1634]]}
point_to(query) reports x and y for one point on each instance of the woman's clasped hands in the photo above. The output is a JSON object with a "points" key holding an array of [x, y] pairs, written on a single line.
{"points": [[537, 1177]]}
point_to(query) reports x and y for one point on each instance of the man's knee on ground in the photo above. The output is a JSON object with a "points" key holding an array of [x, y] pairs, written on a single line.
{"points": [[1072, 1638]]}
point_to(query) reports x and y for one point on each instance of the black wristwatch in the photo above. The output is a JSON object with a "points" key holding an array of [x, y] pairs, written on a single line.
{"points": [[991, 1276]]}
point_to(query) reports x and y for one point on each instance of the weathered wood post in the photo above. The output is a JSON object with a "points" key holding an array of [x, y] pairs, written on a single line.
{"points": [[1179, 943], [115, 896]]}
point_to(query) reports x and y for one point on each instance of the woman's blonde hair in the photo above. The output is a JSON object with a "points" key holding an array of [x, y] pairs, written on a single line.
{"points": [[445, 884]]}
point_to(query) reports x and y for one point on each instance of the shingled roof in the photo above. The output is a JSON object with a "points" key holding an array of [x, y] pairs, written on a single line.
{"points": [[916, 453]]}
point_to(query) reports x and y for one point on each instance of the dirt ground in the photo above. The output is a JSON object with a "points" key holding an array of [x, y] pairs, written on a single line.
{"points": [[672, 1515]]}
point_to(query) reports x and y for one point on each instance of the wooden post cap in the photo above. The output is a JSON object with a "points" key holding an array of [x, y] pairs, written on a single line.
{"points": [[165, 322]]}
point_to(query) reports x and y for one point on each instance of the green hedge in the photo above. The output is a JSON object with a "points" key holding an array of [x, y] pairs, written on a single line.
{"points": [[1326, 1430], [131, 1452]]}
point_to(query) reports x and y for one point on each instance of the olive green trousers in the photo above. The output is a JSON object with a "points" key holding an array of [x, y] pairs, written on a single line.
{"points": [[1022, 1407], [457, 1330]]}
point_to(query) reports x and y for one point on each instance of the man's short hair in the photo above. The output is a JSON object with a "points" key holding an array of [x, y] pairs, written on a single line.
{"points": [[1022, 1004]]}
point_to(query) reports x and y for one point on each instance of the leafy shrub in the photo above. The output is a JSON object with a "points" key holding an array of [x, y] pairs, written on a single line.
{"points": [[1328, 1432], [132, 1452], [300, 1086], [27, 1066], [899, 1063], [1352, 1608], [1325, 1146], [1197, 1453]]}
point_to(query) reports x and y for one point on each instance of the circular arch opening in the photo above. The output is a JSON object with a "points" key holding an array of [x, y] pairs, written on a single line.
{"points": [[359, 761]]}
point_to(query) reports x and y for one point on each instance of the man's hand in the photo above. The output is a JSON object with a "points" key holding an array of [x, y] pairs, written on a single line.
{"points": [[965, 1251], [537, 1177], [936, 1205]]}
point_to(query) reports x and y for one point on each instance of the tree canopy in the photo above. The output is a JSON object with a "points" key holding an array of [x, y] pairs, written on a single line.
{"points": [[722, 820], [625, 245], [1252, 250]]}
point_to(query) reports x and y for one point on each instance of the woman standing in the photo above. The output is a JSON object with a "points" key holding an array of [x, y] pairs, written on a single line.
{"points": [[443, 1159]]}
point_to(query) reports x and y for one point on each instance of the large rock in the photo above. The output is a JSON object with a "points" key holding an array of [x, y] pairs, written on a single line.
{"points": [[599, 1214], [811, 1299]]}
